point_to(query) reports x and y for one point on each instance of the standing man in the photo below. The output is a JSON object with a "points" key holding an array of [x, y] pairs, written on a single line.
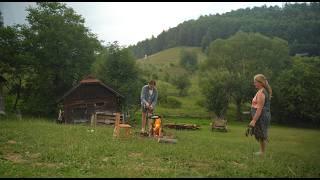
{"points": [[149, 96]]}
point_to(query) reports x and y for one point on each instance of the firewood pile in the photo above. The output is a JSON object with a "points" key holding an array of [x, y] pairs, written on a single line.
{"points": [[182, 126]]}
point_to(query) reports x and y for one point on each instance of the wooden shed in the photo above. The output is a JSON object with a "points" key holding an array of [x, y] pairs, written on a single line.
{"points": [[88, 97]]}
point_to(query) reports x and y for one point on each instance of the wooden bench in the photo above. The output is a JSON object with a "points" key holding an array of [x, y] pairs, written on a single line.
{"points": [[219, 124], [104, 117]]}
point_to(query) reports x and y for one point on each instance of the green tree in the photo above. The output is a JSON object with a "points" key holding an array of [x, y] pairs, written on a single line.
{"points": [[297, 92], [182, 82], [117, 68], [1, 20], [189, 60], [15, 64], [64, 50], [244, 55], [162, 92], [216, 86]]}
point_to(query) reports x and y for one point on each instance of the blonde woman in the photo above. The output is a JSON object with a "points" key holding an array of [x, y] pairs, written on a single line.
{"points": [[260, 111]]}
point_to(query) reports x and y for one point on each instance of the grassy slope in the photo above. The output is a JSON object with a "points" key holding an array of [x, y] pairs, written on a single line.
{"points": [[40, 148], [167, 61]]}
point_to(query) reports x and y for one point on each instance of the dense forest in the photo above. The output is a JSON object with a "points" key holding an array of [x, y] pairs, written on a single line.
{"points": [[296, 23]]}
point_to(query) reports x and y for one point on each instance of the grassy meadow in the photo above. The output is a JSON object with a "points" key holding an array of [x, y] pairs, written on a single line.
{"points": [[42, 148]]}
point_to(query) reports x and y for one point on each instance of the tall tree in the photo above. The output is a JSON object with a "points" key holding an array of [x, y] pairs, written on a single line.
{"points": [[1, 20], [296, 92], [244, 55], [189, 60], [216, 87], [16, 62], [64, 50], [182, 82], [116, 67]]}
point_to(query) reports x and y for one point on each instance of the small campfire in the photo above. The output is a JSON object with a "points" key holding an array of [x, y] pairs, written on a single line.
{"points": [[158, 133]]}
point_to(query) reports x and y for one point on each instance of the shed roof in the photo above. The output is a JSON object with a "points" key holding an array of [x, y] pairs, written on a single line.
{"points": [[89, 80]]}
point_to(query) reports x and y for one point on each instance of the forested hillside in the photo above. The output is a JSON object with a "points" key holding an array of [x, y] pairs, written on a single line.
{"points": [[296, 23]]}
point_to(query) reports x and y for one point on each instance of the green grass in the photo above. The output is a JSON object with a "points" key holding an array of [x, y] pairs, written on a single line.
{"points": [[41, 148]]}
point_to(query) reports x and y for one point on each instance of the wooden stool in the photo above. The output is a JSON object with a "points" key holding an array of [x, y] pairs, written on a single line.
{"points": [[118, 126]]}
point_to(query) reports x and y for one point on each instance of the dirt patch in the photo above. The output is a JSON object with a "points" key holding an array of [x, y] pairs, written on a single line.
{"points": [[148, 167], [239, 165], [12, 142], [49, 165], [15, 158], [135, 155], [106, 159], [200, 165], [33, 155]]}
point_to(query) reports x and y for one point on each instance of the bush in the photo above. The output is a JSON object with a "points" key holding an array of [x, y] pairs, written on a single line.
{"points": [[162, 93], [296, 92], [201, 103], [182, 82], [166, 77], [154, 76], [189, 60], [215, 85], [172, 103]]}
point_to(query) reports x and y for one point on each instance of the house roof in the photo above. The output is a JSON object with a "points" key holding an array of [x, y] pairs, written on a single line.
{"points": [[89, 80]]}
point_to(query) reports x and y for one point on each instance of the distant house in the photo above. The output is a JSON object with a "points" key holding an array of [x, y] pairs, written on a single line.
{"points": [[89, 96]]}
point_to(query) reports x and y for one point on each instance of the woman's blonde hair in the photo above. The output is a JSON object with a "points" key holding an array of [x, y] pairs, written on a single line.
{"points": [[263, 80]]}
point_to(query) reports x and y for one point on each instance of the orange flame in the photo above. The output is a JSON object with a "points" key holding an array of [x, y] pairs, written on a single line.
{"points": [[157, 125]]}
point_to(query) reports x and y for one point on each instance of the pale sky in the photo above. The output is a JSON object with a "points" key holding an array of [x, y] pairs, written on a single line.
{"points": [[131, 22]]}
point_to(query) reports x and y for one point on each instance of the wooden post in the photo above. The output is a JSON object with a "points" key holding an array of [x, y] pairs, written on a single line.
{"points": [[92, 119], [95, 120], [116, 131]]}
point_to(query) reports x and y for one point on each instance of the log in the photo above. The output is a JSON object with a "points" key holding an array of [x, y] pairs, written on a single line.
{"points": [[182, 126], [165, 140]]}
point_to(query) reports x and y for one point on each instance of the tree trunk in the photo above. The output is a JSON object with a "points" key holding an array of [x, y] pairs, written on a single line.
{"points": [[239, 113], [2, 107], [18, 96]]}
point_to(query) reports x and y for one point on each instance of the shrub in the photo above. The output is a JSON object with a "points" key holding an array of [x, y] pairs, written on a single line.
{"points": [[172, 103]]}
